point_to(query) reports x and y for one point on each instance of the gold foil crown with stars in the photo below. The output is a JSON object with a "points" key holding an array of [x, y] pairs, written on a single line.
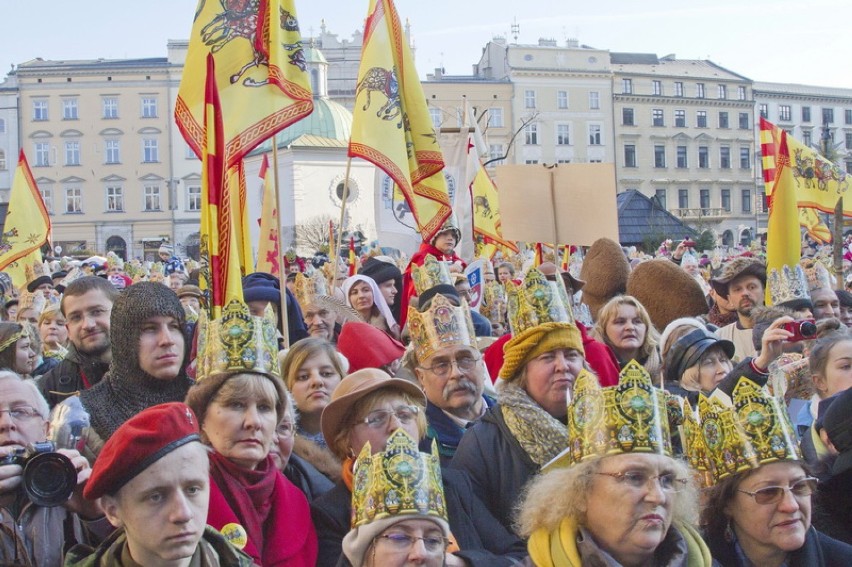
{"points": [[741, 435], [536, 301], [817, 274], [787, 284], [397, 482], [237, 342], [307, 289], [630, 417], [442, 325], [433, 272]]}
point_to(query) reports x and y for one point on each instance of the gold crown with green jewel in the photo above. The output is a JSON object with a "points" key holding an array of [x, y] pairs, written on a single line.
{"points": [[440, 326], [740, 435], [433, 272], [396, 482], [537, 300], [237, 342]]}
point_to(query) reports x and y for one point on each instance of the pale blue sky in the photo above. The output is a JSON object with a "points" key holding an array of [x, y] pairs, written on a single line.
{"points": [[782, 40]]}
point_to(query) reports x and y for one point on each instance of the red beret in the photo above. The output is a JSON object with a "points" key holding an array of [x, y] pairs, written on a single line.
{"points": [[355, 336], [141, 441]]}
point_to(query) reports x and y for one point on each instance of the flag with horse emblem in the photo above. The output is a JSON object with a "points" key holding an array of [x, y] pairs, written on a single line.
{"points": [[391, 126], [27, 224]]}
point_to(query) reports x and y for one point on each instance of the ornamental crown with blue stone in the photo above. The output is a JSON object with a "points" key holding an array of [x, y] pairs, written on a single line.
{"points": [[537, 300]]}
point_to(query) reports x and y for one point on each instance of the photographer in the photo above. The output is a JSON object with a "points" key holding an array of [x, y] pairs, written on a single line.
{"points": [[31, 534]]}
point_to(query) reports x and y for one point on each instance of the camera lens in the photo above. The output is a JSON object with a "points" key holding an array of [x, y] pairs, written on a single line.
{"points": [[49, 479], [808, 329]]}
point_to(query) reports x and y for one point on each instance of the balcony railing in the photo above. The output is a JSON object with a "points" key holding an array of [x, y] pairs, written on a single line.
{"points": [[700, 213]]}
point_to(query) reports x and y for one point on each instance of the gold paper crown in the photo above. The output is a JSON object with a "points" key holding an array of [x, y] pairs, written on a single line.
{"points": [[753, 431], [630, 417], [788, 284], [442, 325], [36, 270], [537, 300], [493, 304], [307, 289], [397, 482], [817, 274], [430, 274], [113, 261], [237, 342]]}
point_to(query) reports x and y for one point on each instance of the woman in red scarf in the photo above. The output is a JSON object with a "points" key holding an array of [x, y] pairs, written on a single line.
{"points": [[251, 502]]}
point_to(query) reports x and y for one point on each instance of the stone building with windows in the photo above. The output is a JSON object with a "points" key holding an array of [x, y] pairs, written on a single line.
{"points": [[8, 135]]}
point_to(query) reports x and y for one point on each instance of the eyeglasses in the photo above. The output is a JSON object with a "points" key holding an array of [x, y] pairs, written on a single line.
{"points": [[403, 542], [773, 494], [379, 418], [465, 363], [22, 413], [668, 482], [286, 429]]}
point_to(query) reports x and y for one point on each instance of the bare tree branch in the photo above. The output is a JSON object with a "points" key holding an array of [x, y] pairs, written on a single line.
{"points": [[524, 122]]}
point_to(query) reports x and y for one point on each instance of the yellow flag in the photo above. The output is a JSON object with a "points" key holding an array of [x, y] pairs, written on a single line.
{"points": [[268, 252], [27, 225], [391, 126], [783, 237]]}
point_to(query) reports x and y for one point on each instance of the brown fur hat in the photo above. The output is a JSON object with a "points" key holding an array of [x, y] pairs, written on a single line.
{"points": [[739, 266], [605, 271], [666, 291]]}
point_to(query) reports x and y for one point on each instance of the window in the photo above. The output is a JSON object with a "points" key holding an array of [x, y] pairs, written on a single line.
{"points": [[42, 154], [683, 198], [72, 153], [563, 135], [595, 135], [47, 197], [152, 197], [112, 151], [188, 152], [495, 152], [699, 90], [660, 194], [563, 161], [723, 120], [193, 197], [828, 116], [115, 199], [40, 110], [741, 93], [682, 160], [149, 107], [847, 118], [678, 88], [744, 121], [73, 200], [435, 115], [531, 161], [849, 140], [562, 100], [2, 126], [627, 117], [784, 112], [627, 86], [723, 92], [659, 156], [704, 198], [703, 157], [701, 119], [629, 155], [806, 137], [150, 151], [726, 200], [680, 118], [2, 160], [746, 200], [725, 157], [657, 87], [745, 158], [594, 100], [69, 109], [764, 111], [529, 98], [657, 117], [806, 114], [110, 107], [531, 134], [495, 117]]}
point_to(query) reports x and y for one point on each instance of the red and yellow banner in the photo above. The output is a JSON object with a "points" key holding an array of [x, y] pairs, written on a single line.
{"points": [[268, 252]]}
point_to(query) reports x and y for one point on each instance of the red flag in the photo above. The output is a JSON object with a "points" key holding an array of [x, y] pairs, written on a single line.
{"points": [[351, 255]]}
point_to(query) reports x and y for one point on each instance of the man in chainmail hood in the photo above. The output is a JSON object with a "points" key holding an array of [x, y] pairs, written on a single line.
{"points": [[148, 354]]}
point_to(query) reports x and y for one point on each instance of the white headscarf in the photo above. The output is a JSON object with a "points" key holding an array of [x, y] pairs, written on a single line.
{"points": [[378, 298]]}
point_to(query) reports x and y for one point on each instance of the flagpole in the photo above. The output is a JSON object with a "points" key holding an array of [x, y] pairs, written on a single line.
{"points": [[282, 277], [343, 209]]}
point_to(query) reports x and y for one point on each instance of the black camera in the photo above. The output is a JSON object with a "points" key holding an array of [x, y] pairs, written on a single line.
{"points": [[49, 478]]}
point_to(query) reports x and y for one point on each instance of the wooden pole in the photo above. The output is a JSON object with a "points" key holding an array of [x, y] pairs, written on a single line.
{"points": [[838, 244], [282, 272], [342, 211]]}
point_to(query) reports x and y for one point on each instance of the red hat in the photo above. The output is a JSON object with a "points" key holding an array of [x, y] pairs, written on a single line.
{"points": [[141, 441], [365, 346]]}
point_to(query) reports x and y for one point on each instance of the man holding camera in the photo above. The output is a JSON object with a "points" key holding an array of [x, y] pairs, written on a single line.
{"points": [[30, 533]]}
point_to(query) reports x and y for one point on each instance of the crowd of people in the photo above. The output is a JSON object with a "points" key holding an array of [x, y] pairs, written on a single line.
{"points": [[622, 409]]}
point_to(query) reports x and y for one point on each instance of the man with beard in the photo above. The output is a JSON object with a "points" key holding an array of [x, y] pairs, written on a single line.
{"points": [[742, 282], [448, 367], [86, 306], [323, 315]]}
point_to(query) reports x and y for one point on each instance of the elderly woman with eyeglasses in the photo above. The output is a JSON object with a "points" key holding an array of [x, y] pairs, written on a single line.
{"points": [[368, 407], [615, 497], [758, 511]]}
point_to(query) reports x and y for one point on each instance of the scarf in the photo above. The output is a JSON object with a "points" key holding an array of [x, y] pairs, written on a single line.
{"points": [[540, 435], [558, 548]]}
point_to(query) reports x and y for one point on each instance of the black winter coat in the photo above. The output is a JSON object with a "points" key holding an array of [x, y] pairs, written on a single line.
{"points": [[306, 477], [483, 542], [496, 463], [65, 380], [819, 551], [832, 507]]}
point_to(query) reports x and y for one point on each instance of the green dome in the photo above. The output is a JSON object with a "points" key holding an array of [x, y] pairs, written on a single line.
{"points": [[313, 55], [328, 120]]}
